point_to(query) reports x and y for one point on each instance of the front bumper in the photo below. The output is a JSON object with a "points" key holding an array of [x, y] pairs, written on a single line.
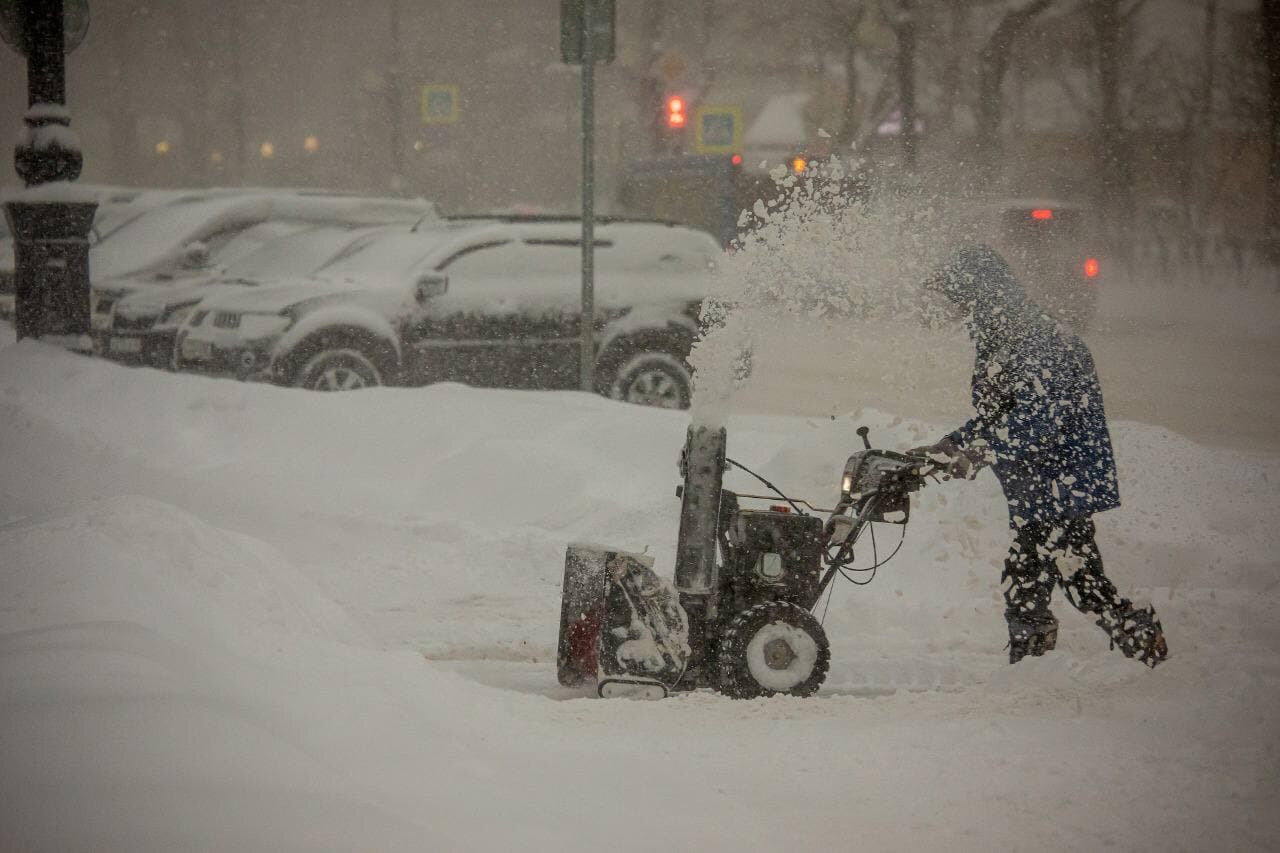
{"points": [[249, 361], [154, 348]]}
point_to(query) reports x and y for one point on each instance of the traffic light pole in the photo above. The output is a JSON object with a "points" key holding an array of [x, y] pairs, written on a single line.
{"points": [[587, 322]]}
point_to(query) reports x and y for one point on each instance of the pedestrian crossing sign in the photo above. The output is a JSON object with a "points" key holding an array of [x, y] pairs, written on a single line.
{"points": [[440, 103], [717, 130]]}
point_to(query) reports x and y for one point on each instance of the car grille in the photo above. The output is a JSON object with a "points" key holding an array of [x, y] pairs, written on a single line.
{"points": [[226, 320]]}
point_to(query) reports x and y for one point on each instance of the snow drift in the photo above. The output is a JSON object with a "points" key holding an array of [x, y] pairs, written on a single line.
{"points": [[244, 617]]}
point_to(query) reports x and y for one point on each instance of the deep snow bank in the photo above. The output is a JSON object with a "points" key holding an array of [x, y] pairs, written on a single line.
{"points": [[237, 616]]}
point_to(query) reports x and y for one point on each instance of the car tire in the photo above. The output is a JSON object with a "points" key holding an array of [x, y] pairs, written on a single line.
{"points": [[339, 370], [653, 379]]}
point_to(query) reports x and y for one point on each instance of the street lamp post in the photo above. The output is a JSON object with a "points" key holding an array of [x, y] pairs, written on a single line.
{"points": [[50, 224]]}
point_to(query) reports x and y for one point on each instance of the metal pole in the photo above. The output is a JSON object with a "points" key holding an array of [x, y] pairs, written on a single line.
{"points": [[46, 58], [51, 247], [395, 102], [587, 321]]}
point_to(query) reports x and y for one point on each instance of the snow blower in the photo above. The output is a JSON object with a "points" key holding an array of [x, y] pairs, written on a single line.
{"points": [[739, 617]]}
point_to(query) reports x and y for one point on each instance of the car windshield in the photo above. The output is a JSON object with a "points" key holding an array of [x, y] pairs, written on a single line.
{"points": [[153, 237], [299, 254], [394, 255], [118, 210]]}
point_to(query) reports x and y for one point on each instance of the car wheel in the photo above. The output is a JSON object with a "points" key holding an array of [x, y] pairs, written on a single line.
{"points": [[339, 370], [653, 379]]}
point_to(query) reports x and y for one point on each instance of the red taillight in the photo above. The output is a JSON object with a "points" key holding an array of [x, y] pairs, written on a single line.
{"points": [[1091, 268], [779, 508], [736, 159], [1042, 213]]}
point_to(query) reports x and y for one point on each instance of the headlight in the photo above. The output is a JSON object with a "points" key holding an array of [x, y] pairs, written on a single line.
{"points": [[846, 485], [255, 326]]}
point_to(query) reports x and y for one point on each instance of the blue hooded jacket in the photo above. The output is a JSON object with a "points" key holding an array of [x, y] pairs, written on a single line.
{"points": [[1037, 401]]}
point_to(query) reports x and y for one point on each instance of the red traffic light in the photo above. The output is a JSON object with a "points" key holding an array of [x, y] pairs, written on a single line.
{"points": [[676, 116]]}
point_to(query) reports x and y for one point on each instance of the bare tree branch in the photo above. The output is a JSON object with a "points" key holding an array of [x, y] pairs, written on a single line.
{"points": [[993, 62]]}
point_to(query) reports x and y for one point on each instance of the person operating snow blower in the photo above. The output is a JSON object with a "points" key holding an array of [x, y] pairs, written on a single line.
{"points": [[1039, 423]]}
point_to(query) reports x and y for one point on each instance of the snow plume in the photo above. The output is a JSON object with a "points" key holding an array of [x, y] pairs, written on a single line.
{"points": [[826, 249]]}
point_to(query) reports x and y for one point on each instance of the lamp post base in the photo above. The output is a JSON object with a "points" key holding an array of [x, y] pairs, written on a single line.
{"points": [[51, 266]]}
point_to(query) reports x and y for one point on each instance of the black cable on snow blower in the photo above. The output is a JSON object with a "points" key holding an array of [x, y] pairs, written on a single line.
{"points": [[876, 562], [775, 489]]}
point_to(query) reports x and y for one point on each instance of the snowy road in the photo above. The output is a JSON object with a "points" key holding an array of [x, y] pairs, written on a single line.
{"points": [[240, 617], [1201, 364]]}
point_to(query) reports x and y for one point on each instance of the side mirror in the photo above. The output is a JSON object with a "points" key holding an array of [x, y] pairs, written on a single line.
{"points": [[430, 286]]}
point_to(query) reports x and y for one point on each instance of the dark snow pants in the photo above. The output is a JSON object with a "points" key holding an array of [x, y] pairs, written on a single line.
{"points": [[1046, 553]]}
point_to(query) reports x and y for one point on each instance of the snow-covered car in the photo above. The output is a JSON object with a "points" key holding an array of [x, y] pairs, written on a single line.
{"points": [[145, 322], [190, 237], [117, 206], [487, 301]]}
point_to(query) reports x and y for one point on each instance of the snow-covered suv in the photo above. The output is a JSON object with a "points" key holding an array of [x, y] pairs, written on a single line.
{"points": [[486, 301]]}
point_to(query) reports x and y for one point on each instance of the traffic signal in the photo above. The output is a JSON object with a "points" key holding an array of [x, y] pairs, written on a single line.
{"points": [[677, 116]]}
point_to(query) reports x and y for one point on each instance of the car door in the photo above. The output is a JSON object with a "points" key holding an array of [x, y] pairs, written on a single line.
{"points": [[553, 308], [511, 316], [468, 334]]}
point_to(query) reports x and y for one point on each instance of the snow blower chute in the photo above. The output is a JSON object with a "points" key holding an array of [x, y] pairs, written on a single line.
{"points": [[738, 618]]}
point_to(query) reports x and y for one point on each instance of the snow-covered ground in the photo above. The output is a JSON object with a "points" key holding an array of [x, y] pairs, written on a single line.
{"points": [[243, 617]]}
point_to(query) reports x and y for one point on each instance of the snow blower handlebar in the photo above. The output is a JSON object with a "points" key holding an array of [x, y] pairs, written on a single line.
{"points": [[876, 487]]}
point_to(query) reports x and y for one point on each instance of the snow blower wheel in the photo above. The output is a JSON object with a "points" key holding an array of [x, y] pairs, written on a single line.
{"points": [[770, 649]]}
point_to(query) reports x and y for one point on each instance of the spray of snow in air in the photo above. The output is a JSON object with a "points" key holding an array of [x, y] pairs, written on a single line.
{"points": [[825, 250]]}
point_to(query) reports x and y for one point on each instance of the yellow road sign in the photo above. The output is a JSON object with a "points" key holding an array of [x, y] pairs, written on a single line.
{"points": [[717, 130], [440, 103]]}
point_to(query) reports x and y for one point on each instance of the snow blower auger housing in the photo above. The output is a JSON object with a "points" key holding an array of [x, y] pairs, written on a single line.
{"points": [[739, 616]]}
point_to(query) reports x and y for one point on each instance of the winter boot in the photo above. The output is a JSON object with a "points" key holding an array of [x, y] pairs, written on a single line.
{"points": [[1137, 632], [1031, 634]]}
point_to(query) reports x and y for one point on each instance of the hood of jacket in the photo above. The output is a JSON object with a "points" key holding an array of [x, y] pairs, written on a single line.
{"points": [[998, 312]]}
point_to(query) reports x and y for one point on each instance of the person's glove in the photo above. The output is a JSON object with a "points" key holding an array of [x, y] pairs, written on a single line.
{"points": [[940, 451], [956, 462]]}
